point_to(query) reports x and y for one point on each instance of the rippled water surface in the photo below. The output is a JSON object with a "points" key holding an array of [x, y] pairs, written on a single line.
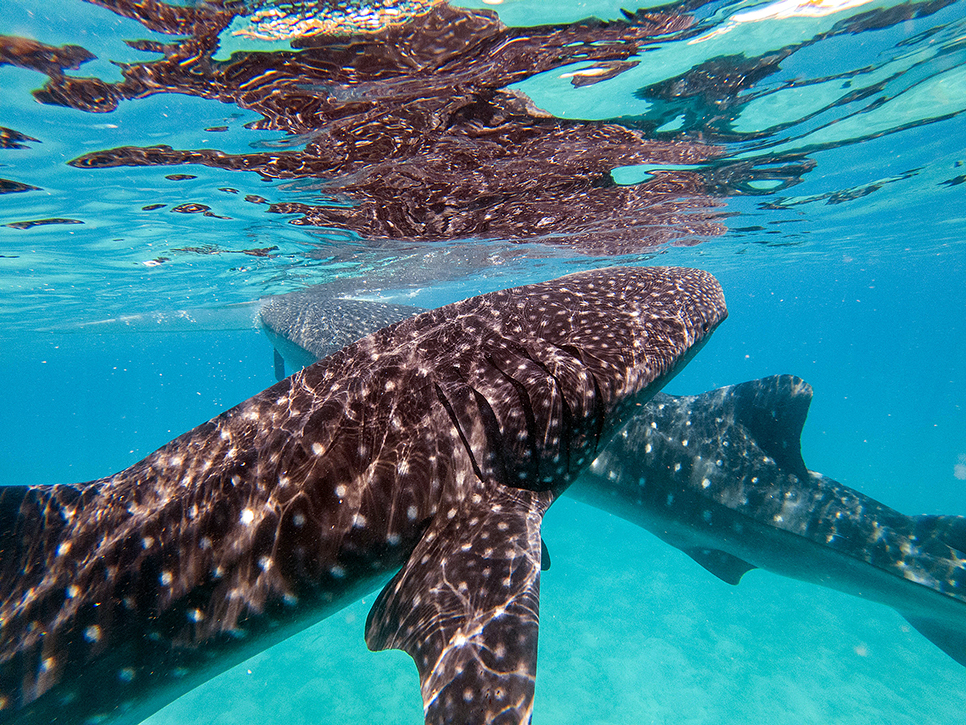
{"points": [[164, 166]]}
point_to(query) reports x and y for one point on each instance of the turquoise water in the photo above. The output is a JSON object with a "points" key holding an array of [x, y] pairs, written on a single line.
{"points": [[840, 184]]}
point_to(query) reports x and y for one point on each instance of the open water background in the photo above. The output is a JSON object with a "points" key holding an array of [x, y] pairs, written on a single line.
{"points": [[854, 279]]}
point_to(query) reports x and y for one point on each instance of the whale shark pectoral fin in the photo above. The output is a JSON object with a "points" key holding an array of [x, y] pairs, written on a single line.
{"points": [[723, 565], [544, 556], [465, 608], [773, 410], [950, 641]]}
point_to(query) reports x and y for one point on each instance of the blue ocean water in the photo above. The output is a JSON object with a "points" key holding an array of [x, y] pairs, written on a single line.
{"points": [[841, 184]]}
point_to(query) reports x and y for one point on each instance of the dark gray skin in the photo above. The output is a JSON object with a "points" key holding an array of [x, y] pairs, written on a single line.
{"points": [[435, 445], [762, 508], [721, 477]]}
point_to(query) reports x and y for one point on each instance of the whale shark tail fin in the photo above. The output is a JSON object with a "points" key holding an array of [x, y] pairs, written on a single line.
{"points": [[773, 410], [944, 538], [949, 640]]}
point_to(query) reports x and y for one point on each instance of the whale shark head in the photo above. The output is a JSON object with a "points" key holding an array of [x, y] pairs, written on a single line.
{"points": [[552, 369]]}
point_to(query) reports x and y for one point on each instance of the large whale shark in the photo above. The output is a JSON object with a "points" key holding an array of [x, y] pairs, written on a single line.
{"points": [[432, 447], [721, 477]]}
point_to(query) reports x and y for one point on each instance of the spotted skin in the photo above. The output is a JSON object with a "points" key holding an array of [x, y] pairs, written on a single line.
{"points": [[435, 444], [307, 326], [475, 647], [761, 502], [721, 477]]}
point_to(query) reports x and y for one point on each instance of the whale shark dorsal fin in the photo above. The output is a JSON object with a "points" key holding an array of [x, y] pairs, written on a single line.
{"points": [[726, 567], [773, 410], [465, 608]]}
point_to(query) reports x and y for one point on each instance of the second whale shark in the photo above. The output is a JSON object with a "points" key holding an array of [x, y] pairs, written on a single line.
{"points": [[720, 476]]}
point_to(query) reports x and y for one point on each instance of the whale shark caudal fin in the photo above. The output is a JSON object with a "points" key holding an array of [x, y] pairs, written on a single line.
{"points": [[949, 640], [937, 535], [470, 641], [774, 410]]}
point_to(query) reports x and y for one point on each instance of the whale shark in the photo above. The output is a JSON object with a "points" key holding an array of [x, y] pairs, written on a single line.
{"points": [[721, 477], [427, 452]]}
